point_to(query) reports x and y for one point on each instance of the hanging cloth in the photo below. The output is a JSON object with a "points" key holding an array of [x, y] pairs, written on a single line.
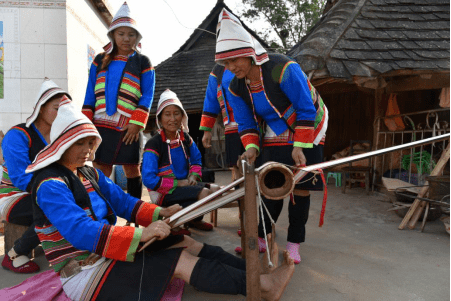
{"points": [[395, 123]]}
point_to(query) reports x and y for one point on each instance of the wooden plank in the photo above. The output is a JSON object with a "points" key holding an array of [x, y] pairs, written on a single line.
{"points": [[418, 211], [437, 81], [436, 171], [12, 233], [393, 184], [251, 236]]}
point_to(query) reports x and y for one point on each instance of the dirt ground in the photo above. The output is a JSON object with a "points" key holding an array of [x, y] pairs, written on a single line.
{"points": [[359, 253]]}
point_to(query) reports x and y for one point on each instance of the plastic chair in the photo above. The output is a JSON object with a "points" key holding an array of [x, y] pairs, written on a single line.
{"points": [[336, 176], [349, 173]]}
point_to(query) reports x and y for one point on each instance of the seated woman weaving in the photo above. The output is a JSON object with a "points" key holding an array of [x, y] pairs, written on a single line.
{"points": [[75, 212], [172, 162]]}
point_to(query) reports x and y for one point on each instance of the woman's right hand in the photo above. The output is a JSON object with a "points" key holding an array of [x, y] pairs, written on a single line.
{"points": [[206, 139], [182, 183], [159, 229], [250, 155]]}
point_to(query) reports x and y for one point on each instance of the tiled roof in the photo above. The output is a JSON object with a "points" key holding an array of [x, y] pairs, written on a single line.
{"points": [[186, 73], [365, 38]]}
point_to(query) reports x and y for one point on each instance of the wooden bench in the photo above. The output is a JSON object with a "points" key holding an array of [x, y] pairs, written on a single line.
{"points": [[12, 232]]}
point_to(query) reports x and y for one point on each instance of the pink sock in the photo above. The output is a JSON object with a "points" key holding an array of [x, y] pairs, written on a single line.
{"points": [[293, 250], [261, 246]]}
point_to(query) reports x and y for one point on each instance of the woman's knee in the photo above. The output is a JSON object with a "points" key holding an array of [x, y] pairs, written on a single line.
{"points": [[185, 266], [131, 171], [191, 245], [214, 188], [204, 192]]}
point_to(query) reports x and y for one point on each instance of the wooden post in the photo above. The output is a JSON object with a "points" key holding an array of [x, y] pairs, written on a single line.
{"points": [[251, 235], [378, 112], [12, 233]]}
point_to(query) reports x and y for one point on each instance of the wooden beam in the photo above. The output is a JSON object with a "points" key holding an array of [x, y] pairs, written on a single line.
{"points": [[335, 88], [407, 72], [103, 9], [436, 81], [378, 112], [251, 235]]}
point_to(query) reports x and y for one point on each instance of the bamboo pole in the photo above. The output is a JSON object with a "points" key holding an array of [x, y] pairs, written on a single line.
{"points": [[414, 208]]}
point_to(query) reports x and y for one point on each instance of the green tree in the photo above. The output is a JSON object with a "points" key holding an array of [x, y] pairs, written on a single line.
{"points": [[289, 20]]}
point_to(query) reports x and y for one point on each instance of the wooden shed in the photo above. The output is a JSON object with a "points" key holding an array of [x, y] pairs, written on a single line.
{"points": [[361, 51]]}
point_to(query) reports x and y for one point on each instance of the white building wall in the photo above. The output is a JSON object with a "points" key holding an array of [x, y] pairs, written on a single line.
{"points": [[35, 47], [45, 38], [84, 27]]}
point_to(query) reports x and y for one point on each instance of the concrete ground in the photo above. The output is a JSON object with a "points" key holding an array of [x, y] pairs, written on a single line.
{"points": [[359, 253]]}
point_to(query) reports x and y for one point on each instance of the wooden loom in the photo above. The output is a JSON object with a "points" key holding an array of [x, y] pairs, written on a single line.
{"points": [[249, 216]]}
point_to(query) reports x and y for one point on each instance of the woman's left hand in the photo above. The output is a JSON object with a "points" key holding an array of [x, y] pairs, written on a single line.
{"points": [[169, 211], [298, 156], [192, 180], [131, 133]]}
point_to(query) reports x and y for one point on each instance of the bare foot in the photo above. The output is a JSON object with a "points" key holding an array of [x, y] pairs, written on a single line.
{"points": [[273, 285]]}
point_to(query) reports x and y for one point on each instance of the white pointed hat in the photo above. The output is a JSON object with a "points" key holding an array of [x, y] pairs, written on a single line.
{"points": [[122, 18], [168, 98], [70, 125], [233, 40], [47, 91]]}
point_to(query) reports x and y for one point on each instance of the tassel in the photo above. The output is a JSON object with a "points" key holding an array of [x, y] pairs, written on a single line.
{"points": [[323, 208]]}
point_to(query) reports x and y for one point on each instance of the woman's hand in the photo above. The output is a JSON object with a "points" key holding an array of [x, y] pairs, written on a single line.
{"points": [[298, 156], [182, 183], [250, 155], [131, 133], [158, 229], [169, 211], [192, 181], [206, 139]]}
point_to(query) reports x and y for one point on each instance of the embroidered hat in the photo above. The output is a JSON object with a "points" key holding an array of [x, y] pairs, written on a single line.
{"points": [[122, 18], [70, 125], [232, 41], [168, 98], [47, 91]]}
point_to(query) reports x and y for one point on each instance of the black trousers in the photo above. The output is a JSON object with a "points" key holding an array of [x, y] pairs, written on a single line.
{"points": [[22, 214], [297, 216]]}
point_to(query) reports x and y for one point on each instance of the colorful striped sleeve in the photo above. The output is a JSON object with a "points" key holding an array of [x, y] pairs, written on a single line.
{"points": [[141, 113], [247, 126], [195, 161], [150, 168], [145, 213], [79, 229], [294, 84], [90, 98], [122, 203], [211, 108]]}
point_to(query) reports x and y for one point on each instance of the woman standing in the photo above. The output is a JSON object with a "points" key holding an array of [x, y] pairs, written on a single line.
{"points": [[217, 101], [275, 89], [118, 99], [172, 162], [76, 208], [20, 146]]}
